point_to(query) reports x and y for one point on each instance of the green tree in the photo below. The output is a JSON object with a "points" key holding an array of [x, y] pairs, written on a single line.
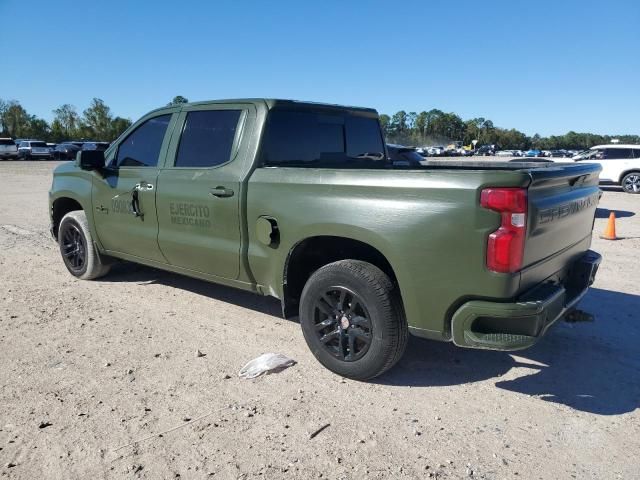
{"points": [[38, 128], [384, 123], [118, 125], [65, 121], [15, 119], [96, 121], [178, 100], [399, 122]]}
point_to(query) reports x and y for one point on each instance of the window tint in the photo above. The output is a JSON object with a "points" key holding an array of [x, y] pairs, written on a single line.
{"points": [[617, 154], [142, 147], [636, 152], [4, 141], [207, 138], [321, 139], [38, 144]]}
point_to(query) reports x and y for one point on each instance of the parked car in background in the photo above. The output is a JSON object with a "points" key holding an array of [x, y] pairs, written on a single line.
{"points": [[102, 146], [534, 152], [559, 154], [8, 149], [32, 149], [404, 156], [66, 151], [505, 153], [435, 151], [486, 150], [620, 164]]}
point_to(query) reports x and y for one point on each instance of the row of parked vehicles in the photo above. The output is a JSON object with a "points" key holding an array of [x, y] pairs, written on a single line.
{"points": [[28, 149], [456, 149], [620, 162]]}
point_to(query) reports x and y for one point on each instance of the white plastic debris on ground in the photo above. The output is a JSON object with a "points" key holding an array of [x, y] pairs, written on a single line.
{"points": [[266, 363]]}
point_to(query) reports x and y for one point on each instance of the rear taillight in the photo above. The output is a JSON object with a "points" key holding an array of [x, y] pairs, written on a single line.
{"points": [[505, 247]]}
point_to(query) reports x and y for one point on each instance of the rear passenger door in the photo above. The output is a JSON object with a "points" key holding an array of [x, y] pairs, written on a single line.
{"points": [[199, 189]]}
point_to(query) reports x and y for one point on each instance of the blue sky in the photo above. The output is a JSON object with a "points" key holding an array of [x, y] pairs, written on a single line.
{"points": [[542, 67]]}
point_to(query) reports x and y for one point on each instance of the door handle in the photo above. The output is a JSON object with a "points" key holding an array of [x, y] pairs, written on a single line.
{"points": [[221, 192], [142, 186]]}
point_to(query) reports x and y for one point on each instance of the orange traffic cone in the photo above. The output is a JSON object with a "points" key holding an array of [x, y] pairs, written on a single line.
{"points": [[610, 231]]}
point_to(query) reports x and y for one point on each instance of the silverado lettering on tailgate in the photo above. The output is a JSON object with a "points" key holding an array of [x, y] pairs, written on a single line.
{"points": [[561, 211]]}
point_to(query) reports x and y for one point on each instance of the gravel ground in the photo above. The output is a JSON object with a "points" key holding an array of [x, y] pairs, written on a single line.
{"points": [[89, 368]]}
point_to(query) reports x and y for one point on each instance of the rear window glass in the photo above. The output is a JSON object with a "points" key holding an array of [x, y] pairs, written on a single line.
{"points": [[294, 138], [38, 144], [6, 142]]}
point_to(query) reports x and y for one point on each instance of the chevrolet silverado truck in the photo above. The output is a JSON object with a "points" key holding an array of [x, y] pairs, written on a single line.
{"points": [[300, 201]]}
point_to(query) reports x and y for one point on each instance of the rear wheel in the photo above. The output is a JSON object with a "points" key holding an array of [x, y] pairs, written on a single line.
{"points": [[631, 182], [77, 248], [352, 319]]}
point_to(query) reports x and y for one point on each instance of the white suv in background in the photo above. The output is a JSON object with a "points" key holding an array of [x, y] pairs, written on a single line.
{"points": [[8, 149], [620, 164], [32, 149]]}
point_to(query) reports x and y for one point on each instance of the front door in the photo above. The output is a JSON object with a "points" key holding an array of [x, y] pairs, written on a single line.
{"points": [[199, 190], [124, 193]]}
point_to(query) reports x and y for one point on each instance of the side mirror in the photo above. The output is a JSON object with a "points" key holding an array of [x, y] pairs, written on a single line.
{"points": [[90, 159]]}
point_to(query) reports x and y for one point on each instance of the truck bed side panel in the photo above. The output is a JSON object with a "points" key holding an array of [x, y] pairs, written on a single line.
{"points": [[428, 224]]}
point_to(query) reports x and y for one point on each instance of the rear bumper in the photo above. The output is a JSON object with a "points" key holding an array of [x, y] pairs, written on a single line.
{"points": [[518, 325]]}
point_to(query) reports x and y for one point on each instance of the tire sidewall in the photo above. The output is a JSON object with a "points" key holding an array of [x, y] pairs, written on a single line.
{"points": [[67, 223], [373, 360]]}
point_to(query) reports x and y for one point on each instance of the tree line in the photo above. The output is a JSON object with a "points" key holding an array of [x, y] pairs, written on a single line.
{"points": [[436, 127], [96, 122]]}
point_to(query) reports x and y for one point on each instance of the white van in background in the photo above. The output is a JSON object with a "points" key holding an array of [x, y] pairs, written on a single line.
{"points": [[620, 164]]}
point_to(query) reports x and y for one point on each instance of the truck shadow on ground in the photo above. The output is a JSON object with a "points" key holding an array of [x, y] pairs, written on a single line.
{"points": [[604, 213], [130, 272], [593, 367]]}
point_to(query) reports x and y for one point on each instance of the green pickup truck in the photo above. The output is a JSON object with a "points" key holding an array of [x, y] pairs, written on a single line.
{"points": [[301, 201]]}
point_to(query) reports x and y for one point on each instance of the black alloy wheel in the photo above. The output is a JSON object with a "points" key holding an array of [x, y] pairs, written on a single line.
{"points": [[343, 324]]}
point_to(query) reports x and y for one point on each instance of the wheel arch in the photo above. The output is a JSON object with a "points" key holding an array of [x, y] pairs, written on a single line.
{"points": [[59, 208], [627, 172], [312, 253]]}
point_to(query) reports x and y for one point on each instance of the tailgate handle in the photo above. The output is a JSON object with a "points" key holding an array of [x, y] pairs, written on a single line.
{"points": [[578, 180]]}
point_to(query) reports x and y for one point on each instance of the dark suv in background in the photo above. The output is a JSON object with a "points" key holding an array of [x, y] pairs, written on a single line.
{"points": [[66, 151]]}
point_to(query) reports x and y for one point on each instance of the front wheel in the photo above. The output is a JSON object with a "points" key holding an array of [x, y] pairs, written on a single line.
{"points": [[631, 182], [352, 319], [77, 248]]}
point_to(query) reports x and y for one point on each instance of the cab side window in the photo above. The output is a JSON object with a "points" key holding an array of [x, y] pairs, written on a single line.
{"points": [[207, 138], [142, 147]]}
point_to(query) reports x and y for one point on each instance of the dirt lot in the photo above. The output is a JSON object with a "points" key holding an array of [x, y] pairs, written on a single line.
{"points": [[87, 368]]}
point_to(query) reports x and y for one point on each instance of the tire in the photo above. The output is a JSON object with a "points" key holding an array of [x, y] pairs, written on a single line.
{"points": [[352, 319], [631, 182], [77, 248]]}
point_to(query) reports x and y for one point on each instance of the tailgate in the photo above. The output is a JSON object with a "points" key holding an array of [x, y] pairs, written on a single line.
{"points": [[562, 204]]}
